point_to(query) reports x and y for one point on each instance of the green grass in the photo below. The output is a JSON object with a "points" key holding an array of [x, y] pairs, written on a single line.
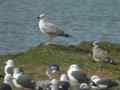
{"points": [[36, 60]]}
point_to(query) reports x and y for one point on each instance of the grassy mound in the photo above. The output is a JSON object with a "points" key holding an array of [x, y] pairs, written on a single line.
{"points": [[35, 60]]}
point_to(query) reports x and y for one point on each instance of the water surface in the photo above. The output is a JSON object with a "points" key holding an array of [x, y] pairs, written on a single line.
{"points": [[84, 19]]}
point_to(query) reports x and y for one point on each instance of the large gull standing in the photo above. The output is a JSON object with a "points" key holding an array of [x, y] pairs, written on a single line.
{"points": [[49, 28]]}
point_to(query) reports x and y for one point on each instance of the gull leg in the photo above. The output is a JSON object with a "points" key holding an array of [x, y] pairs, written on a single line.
{"points": [[50, 39], [48, 42]]}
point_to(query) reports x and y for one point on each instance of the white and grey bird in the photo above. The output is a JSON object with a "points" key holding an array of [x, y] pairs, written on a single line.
{"points": [[22, 80], [10, 65], [7, 82], [75, 76], [52, 70], [102, 83], [100, 55], [49, 28], [84, 86]]}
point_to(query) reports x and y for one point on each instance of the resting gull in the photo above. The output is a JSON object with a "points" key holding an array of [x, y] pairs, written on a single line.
{"points": [[84, 86], [49, 28], [102, 83], [52, 69], [22, 80], [100, 55]]}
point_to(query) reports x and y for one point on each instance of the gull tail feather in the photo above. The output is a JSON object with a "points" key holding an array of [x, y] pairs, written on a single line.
{"points": [[66, 35]]}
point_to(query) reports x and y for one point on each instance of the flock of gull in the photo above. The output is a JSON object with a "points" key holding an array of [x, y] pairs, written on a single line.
{"points": [[72, 79]]}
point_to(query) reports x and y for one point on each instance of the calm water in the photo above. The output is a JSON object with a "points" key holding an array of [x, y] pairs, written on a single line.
{"points": [[84, 19]]}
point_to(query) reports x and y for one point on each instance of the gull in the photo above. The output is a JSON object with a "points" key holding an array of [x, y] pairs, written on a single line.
{"points": [[102, 83], [84, 86], [52, 69], [100, 55], [49, 28], [7, 82], [10, 65], [75, 76], [22, 80]]}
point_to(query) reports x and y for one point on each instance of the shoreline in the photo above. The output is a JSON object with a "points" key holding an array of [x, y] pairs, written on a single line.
{"points": [[86, 43]]}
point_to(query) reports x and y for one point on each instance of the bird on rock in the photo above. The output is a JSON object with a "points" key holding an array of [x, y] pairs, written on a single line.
{"points": [[51, 29]]}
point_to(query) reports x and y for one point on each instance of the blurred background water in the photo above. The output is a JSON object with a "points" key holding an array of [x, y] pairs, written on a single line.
{"points": [[86, 20]]}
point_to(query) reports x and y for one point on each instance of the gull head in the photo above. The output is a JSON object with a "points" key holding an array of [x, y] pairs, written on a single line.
{"points": [[10, 62], [94, 78], [42, 16], [74, 67], [95, 43], [84, 86], [53, 68]]}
